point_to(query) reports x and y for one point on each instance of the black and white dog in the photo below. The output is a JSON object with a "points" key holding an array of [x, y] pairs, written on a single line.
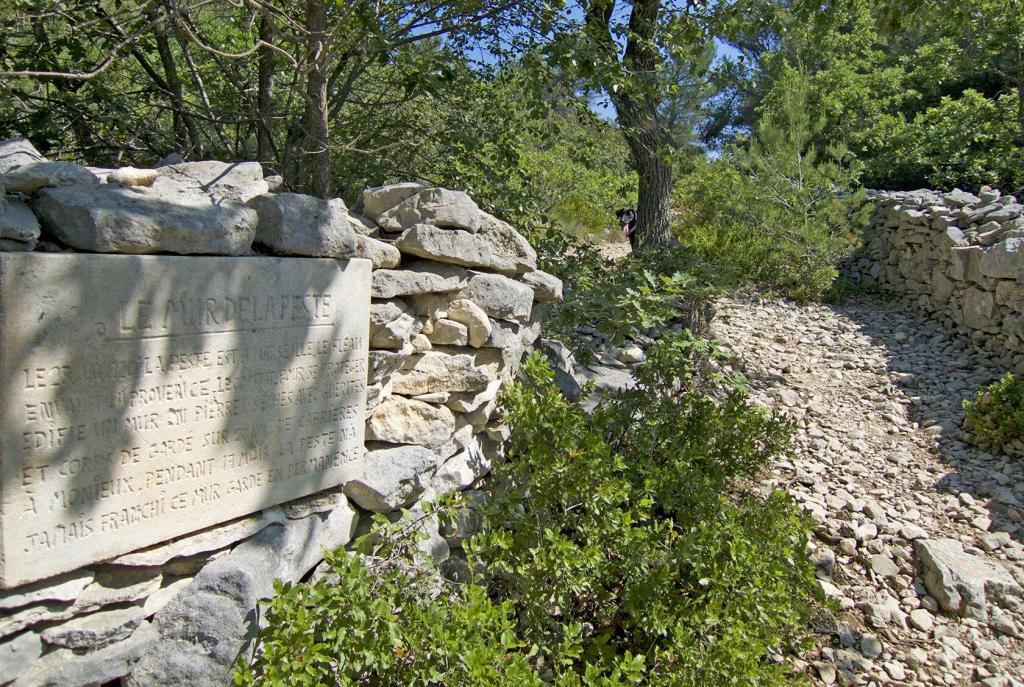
{"points": [[627, 220]]}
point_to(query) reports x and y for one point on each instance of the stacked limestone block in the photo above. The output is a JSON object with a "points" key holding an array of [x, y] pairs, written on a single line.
{"points": [[454, 292], [448, 327], [954, 253]]}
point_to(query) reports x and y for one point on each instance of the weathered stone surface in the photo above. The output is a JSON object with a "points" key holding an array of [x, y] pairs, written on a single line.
{"points": [[17, 655], [391, 326], [959, 198], [114, 219], [563, 363], [467, 402], [500, 297], [31, 177], [400, 420], [95, 630], [211, 539], [959, 581], [546, 287], [460, 471], [219, 604], [65, 668], [382, 255], [979, 308], [17, 152], [965, 263], [449, 333], [383, 364], [417, 279], [131, 176], [324, 502], [18, 222], [392, 478], [199, 369], [377, 201], [470, 314], [433, 371], [115, 585], [223, 181], [1005, 260], [65, 587], [298, 224], [436, 206], [9, 246], [497, 246]]}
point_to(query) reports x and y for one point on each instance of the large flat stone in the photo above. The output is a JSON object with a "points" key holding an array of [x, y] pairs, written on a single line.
{"points": [[500, 297], [31, 177], [95, 630], [435, 371], [150, 397], [437, 206], [223, 181], [392, 478], [424, 277], [959, 581], [115, 219], [377, 201], [298, 224], [497, 246], [65, 587], [1005, 260], [18, 222], [66, 668], [17, 152], [400, 420]]}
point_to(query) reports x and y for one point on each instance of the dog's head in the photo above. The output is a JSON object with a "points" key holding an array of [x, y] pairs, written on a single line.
{"points": [[627, 219]]}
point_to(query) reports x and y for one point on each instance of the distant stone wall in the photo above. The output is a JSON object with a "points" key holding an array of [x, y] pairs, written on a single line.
{"points": [[954, 253], [454, 308]]}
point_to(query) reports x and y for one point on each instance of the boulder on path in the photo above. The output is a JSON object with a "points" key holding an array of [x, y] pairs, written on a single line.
{"points": [[959, 581], [115, 219]]}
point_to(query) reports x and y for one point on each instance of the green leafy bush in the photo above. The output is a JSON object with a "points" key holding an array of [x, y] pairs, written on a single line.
{"points": [[619, 548], [996, 415]]}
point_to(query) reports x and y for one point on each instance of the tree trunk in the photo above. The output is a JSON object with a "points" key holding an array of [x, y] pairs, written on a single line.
{"points": [[654, 192], [317, 154], [265, 94], [636, 103]]}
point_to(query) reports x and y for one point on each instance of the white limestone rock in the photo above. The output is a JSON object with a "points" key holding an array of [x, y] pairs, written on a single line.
{"points": [[497, 246], [400, 420], [546, 287], [468, 313], [439, 207], [64, 587], [223, 181], [377, 201], [31, 177], [298, 224], [382, 255], [500, 297], [18, 222], [18, 654], [114, 219], [392, 478], [132, 176], [391, 326], [449, 333], [97, 630], [959, 581], [419, 278], [435, 371], [17, 152]]}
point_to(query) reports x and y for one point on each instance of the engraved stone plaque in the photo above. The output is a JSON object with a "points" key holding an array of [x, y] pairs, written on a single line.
{"points": [[145, 397]]}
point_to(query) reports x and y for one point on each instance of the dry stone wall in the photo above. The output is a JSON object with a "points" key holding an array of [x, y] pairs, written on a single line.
{"points": [[954, 253], [454, 296]]}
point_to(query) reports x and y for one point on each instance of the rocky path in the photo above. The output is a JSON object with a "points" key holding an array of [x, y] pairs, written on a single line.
{"points": [[918, 535]]}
